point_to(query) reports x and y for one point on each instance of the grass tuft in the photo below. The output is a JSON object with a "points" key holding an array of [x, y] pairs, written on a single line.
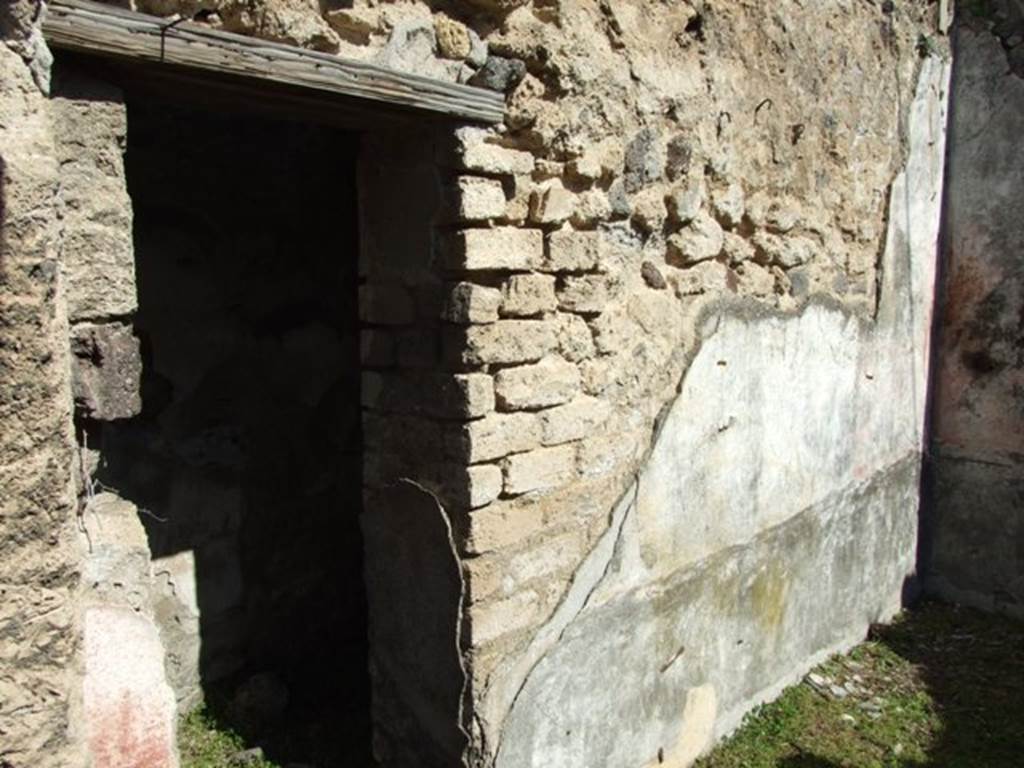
{"points": [[205, 743]]}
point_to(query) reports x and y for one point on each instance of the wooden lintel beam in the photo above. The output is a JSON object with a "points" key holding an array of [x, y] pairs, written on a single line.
{"points": [[81, 25]]}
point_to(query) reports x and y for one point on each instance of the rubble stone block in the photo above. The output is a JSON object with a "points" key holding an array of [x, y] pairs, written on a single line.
{"points": [[498, 6], [684, 203], [106, 368], [737, 249], [787, 252], [452, 37], [500, 73], [478, 199], [586, 294], [469, 487], [483, 483], [551, 381], [98, 263], [592, 207], [496, 435], [492, 620], [573, 421], [551, 204], [541, 469], [729, 205], [652, 276], [678, 155], [550, 556], [471, 303], [497, 248], [575, 341], [644, 161], [474, 153], [756, 280], [708, 276], [528, 295], [506, 341], [570, 251], [354, 24], [649, 212], [702, 240], [502, 524], [459, 395]]}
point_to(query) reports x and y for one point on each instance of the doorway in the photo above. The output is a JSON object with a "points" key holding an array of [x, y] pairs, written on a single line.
{"points": [[246, 460]]}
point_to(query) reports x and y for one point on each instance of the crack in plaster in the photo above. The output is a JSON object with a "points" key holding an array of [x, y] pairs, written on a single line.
{"points": [[459, 613], [586, 579]]}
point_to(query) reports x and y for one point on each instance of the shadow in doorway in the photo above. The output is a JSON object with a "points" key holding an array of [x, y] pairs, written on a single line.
{"points": [[246, 458]]}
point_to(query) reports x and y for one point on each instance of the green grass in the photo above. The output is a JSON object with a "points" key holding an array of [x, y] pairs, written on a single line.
{"points": [[940, 688], [204, 743]]}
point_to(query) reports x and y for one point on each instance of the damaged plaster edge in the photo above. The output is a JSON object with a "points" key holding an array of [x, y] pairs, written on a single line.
{"points": [[923, 129], [464, 693], [587, 577]]}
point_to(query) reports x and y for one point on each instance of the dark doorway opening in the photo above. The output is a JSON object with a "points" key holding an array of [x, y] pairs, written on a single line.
{"points": [[246, 459]]}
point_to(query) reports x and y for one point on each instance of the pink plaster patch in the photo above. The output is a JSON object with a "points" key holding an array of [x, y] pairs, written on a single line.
{"points": [[129, 707]]}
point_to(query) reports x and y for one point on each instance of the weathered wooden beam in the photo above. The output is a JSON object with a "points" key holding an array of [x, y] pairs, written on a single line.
{"points": [[80, 25]]}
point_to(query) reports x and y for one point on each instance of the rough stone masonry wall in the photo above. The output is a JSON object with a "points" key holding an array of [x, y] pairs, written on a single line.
{"points": [[976, 520], [659, 344], [685, 302], [77, 631], [39, 570]]}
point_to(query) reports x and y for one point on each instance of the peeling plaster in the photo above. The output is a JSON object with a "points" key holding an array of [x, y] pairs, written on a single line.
{"points": [[880, 369], [499, 701]]}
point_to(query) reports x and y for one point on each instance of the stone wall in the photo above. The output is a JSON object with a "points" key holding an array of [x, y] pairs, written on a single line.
{"points": [[127, 706], [40, 629], [682, 344], [644, 366], [976, 522]]}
